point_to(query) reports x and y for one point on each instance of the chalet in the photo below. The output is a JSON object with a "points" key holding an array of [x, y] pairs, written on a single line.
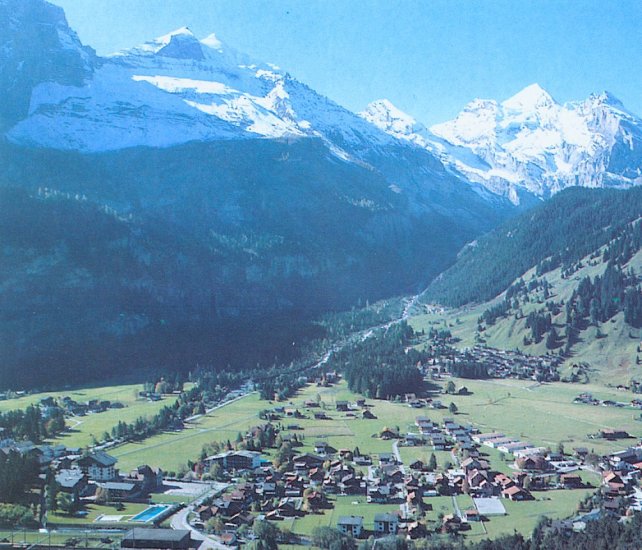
{"points": [[388, 433], [417, 465], [535, 463], [266, 489], [368, 415], [438, 441], [235, 460], [414, 440], [290, 507], [148, 479], [387, 458], [72, 482], [613, 481], [424, 424], [612, 434], [311, 404], [472, 515], [98, 466], [352, 485], [118, 491], [350, 525], [386, 524], [416, 530], [307, 461], [471, 463], [392, 474], [379, 494], [362, 460], [451, 523], [316, 476], [516, 493], [320, 415], [343, 406], [321, 447], [571, 481], [581, 452], [317, 500], [162, 539]]}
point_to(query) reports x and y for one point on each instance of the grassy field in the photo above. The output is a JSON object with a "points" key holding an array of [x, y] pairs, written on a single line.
{"points": [[84, 427], [93, 512], [506, 405]]}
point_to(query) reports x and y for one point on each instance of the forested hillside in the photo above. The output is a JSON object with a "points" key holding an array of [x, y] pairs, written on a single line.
{"points": [[588, 310], [557, 233]]}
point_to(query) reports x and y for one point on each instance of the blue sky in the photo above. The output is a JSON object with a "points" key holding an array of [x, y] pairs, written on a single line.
{"points": [[429, 57]]}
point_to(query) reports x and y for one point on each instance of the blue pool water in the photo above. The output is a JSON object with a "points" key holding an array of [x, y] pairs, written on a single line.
{"points": [[149, 514]]}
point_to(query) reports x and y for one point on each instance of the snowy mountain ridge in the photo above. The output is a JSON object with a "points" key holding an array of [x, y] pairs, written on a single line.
{"points": [[176, 89], [530, 142]]}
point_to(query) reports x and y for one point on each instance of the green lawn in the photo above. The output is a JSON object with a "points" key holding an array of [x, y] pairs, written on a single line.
{"points": [[84, 427], [93, 512], [343, 506], [523, 516]]}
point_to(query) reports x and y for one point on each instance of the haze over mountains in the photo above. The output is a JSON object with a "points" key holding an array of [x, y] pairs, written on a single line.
{"points": [[233, 191]]}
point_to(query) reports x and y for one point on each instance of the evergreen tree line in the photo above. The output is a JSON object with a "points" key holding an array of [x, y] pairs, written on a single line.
{"points": [[598, 300], [604, 534], [17, 474], [469, 369], [29, 424], [379, 367]]}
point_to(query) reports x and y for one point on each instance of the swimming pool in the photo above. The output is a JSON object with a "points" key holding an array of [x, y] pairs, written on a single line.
{"points": [[150, 514]]}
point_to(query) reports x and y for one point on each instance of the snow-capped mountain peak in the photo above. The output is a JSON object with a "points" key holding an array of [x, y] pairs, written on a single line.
{"points": [[531, 97], [385, 115], [531, 142], [212, 42], [388, 117]]}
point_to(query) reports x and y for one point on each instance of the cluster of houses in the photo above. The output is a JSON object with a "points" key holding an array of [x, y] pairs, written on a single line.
{"points": [[303, 487], [71, 407], [586, 398], [305, 483], [498, 363], [86, 475]]}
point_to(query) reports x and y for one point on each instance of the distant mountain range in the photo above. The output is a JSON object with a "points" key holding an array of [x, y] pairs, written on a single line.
{"points": [[240, 193], [530, 143]]}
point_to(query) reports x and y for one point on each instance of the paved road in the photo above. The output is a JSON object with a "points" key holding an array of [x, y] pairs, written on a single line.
{"points": [[456, 507], [180, 521], [395, 451]]}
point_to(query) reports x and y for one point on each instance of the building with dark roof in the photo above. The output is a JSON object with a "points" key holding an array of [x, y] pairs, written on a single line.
{"points": [[351, 525], [159, 538], [99, 466]]}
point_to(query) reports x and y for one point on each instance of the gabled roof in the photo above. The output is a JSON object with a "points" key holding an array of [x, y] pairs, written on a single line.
{"points": [[350, 520], [101, 458]]}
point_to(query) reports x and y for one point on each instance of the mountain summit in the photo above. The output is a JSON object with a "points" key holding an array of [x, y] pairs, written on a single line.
{"points": [[530, 142]]}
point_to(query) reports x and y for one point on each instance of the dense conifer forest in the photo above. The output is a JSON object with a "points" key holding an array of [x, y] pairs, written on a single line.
{"points": [[571, 225]]}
